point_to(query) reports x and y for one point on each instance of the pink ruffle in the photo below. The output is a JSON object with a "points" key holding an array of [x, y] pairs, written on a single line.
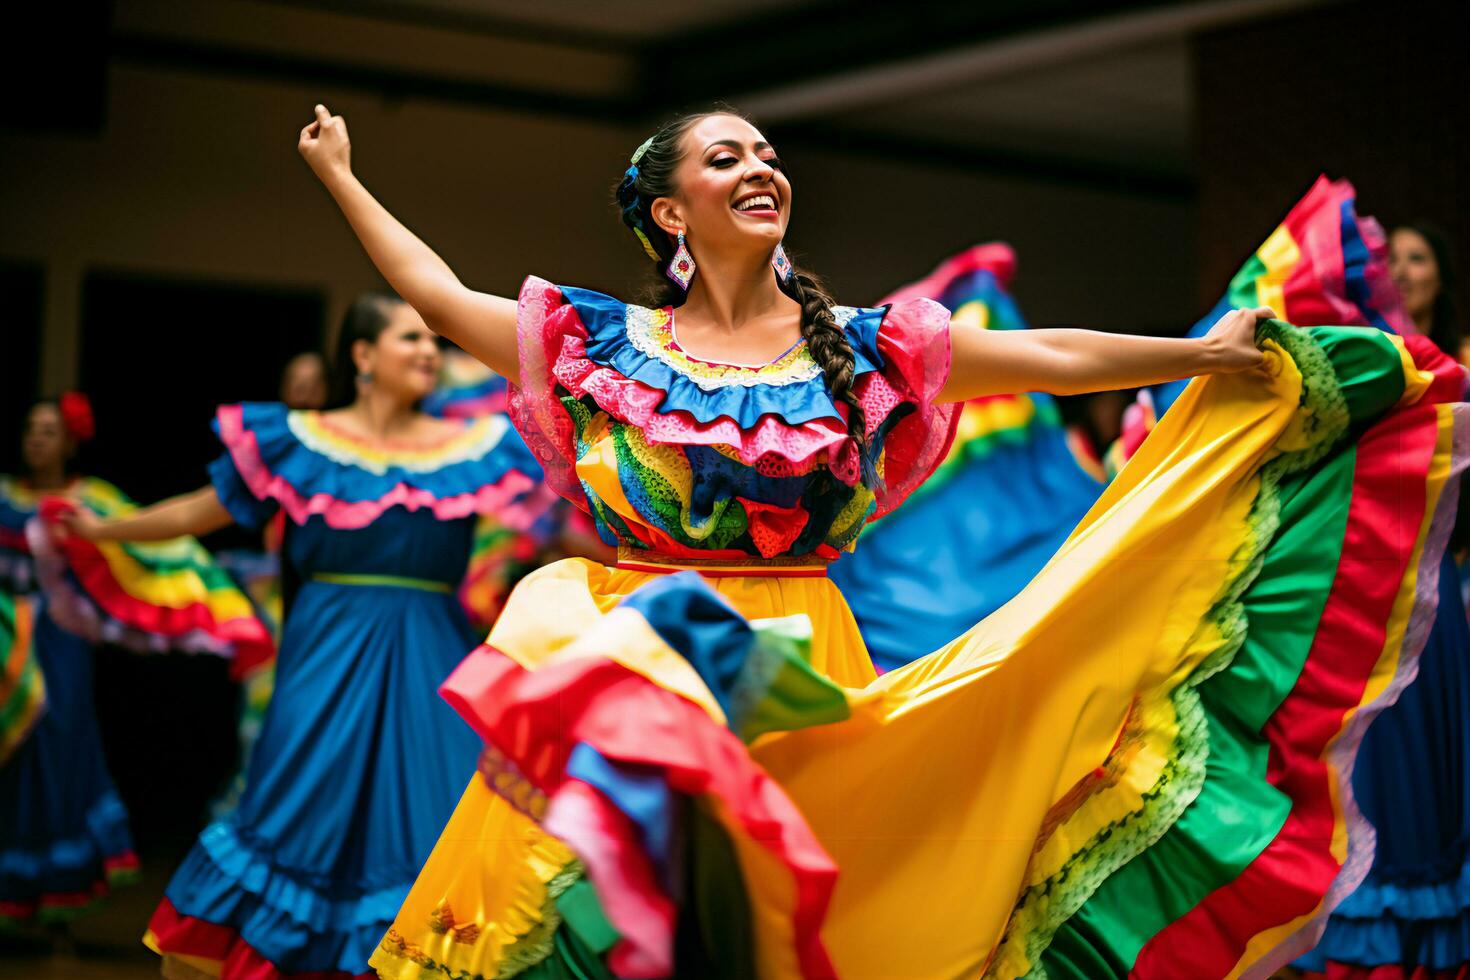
{"points": [[542, 319], [914, 342], [244, 451]]}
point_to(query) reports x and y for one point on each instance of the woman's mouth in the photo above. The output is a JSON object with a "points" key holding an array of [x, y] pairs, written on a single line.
{"points": [[758, 206]]}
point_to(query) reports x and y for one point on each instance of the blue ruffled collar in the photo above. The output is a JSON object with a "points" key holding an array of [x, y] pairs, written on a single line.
{"points": [[640, 344]]}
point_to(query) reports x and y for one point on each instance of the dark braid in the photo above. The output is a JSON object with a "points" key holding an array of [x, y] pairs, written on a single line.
{"points": [[652, 176], [832, 351]]}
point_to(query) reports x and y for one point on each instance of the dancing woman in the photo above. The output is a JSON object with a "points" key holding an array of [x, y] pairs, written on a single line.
{"points": [[699, 775], [358, 763], [64, 836]]}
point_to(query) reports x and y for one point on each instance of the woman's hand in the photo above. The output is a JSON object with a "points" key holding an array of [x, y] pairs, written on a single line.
{"points": [[325, 146], [482, 324], [1231, 342], [65, 518]]}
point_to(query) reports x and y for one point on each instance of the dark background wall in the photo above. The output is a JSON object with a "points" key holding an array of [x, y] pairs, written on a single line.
{"points": [[1374, 92]]}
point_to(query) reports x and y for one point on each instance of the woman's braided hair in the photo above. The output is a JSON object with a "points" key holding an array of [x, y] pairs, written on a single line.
{"points": [[651, 176]]}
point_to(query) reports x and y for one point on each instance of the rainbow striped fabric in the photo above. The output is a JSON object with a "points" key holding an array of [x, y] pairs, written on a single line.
{"points": [[22, 688], [168, 595]]}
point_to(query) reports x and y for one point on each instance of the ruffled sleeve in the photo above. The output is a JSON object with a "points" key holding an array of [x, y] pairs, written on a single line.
{"points": [[245, 508], [301, 463], [903, 420], [544, 324]]}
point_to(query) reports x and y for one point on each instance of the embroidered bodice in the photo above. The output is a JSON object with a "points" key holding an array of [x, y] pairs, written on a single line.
{"points": [[686, 458]]}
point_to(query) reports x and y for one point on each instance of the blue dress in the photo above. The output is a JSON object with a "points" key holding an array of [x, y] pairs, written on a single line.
{"points": [[359, 762], [64, 837]]}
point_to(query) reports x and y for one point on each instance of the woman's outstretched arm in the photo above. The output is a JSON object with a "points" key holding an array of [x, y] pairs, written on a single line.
{"points": [[196, 513], [482, 324], [1073, 362]]}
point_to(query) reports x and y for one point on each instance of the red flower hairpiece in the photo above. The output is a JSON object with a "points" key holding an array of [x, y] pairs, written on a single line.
{"points": [[76, 415]]}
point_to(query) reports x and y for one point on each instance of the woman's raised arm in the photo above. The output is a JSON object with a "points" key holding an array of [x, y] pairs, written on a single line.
{"points": [[1073, 362], [482, 324]]}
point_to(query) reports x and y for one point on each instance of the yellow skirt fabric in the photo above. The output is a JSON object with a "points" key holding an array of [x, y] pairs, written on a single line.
{"points": [[957, 794], [484, 904]]}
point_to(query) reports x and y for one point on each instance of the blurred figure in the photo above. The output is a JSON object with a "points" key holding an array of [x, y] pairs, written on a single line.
{"points": [[1410, 917], [304, 381], [64, 837], [1423, 269]]}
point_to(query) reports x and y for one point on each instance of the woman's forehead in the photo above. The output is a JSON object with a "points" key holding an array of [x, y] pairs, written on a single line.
{"points": [[720, 128], [1408, 238]]}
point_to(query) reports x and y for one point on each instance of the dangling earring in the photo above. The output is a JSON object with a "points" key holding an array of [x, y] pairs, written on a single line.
{"points": [[365, 377], [681, 266], [782, 265]]}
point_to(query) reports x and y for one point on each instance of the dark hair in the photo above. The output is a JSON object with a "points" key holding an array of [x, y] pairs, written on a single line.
{"points": [[650, 177], [365, 320], [1444, 322]]}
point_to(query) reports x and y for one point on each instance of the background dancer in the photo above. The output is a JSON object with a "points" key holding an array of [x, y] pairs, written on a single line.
{"points": [[358, 762], [64, 836]]}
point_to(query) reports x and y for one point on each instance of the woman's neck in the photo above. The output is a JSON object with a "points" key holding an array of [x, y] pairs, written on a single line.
{"points": [[729, 292], [49, 478], [382, 416]]}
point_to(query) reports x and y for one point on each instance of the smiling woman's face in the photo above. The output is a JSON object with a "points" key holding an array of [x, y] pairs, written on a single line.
{"points": [[1415, 272], [405, 358], [732, 194]]}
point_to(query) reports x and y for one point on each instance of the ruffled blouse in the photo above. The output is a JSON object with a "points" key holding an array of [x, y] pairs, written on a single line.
{"points": [[301, 463], [686, 458]]}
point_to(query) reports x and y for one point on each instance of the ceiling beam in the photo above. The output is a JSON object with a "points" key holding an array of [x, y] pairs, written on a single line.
{"points": [[957, 57]]}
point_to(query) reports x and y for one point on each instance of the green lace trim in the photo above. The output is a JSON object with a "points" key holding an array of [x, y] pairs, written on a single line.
{"points": [[1322, 421], [539, 943]]}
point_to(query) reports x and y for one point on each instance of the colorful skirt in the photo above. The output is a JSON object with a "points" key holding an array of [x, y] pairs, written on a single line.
{"points": [[64, 839], [1139, 766]]}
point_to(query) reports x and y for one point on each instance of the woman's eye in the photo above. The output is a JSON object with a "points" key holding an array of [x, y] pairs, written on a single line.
{"points": [[723, 162], [774, 163]]}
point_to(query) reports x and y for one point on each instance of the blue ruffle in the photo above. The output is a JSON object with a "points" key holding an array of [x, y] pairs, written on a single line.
{"points": [[70, 863], [608, 345], [297, 926], [329, 470], [1439, 944], [248, 510]]}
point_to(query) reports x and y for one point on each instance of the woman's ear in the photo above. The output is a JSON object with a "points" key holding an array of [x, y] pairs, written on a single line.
{"points": [[362, 356], [667, 216]]}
